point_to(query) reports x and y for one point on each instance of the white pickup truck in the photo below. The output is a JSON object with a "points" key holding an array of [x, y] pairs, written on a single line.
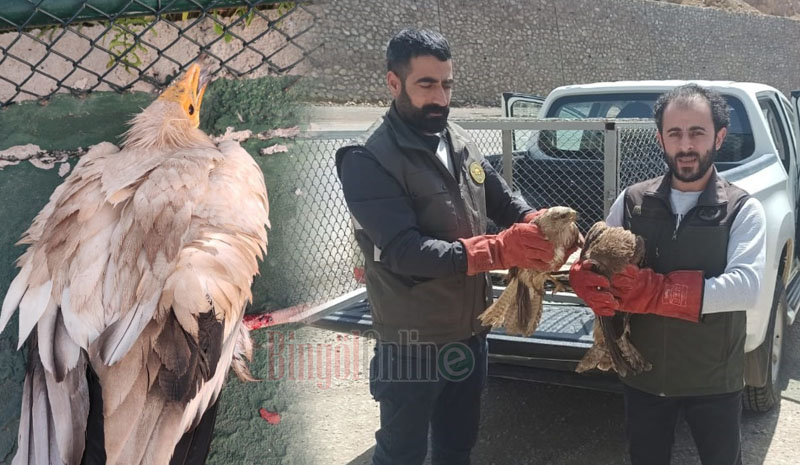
{"points": [[568, 163]]}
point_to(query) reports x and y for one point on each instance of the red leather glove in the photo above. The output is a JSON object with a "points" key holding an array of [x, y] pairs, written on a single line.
{"points": [[592, 288], [678, 294], [521, 245]]}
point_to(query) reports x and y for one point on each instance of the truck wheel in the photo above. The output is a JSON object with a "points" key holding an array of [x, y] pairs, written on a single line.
{"points": [[762, 399]]}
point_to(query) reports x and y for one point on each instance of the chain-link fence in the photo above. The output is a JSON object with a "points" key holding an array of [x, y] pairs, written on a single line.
{"points": [[581, 164], [328, 259], [76, 46], [640, 156]]}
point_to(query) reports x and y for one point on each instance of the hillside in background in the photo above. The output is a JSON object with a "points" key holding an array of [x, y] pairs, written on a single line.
{"points": [[787, 8]]}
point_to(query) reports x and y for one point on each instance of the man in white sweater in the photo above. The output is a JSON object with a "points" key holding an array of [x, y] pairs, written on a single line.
{"points": [[704, 264]]}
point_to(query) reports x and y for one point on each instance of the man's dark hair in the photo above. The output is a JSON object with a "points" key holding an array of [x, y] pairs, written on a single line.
{"points": [[720, 113], [410, 43]]}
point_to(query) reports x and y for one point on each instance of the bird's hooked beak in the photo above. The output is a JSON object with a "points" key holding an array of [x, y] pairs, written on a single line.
{"points": [[189, 89]]}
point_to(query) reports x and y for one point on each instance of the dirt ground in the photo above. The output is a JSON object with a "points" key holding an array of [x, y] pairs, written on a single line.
{"points": [[526, 423]]}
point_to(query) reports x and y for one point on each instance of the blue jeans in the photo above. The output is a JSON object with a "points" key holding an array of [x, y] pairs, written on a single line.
{"points": [[426, 387]]}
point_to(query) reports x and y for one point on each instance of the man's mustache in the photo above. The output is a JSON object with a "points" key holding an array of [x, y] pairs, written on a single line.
{"points": [[687, 155], [433, 108]]}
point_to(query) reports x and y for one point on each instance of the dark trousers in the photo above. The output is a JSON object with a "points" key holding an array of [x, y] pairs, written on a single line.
{"points": [[423, 387], [714, 420]]}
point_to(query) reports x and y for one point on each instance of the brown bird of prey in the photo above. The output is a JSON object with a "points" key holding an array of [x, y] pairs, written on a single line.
{"points": [[609, 250], [138, 270], [519, 307]]}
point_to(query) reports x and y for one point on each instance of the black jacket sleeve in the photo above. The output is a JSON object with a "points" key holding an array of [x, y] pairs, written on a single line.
{"points": [[383, 209], [502, 206]]}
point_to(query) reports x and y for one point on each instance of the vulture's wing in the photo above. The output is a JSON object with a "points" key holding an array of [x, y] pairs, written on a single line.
{"points": [[55, 396], [143, 260], [175, 369]]}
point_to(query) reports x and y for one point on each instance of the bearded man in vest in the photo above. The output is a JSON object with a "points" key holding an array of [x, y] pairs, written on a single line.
{"points": [[704, 265], [420, 192]]}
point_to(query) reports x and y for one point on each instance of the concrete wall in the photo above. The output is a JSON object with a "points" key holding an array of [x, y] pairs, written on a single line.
{"points": [[537, 45]]}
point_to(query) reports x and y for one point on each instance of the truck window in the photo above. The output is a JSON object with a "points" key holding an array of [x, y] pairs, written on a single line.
{"points": [[776, 129], [588, 145], [525, 109]]}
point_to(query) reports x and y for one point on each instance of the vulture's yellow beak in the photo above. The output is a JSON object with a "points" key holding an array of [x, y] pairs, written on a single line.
{"points": [[189, 89]]}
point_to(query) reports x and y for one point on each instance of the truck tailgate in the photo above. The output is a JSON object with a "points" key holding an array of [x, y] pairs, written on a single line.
{"points": [[549, 355]]}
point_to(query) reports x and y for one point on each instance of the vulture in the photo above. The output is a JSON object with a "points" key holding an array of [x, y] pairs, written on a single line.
{"points": [[519, 307], [609, 250], [133, 286]]}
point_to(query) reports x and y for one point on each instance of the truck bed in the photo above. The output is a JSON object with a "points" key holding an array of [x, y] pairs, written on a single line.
{"points": [[550, 355]]}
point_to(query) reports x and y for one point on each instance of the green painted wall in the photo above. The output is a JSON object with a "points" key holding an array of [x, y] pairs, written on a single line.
{"points": [[67, 123]]}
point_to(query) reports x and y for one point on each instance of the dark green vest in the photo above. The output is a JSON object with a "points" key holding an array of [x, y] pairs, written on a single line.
{"points": [[438, 310], [688, 359]]}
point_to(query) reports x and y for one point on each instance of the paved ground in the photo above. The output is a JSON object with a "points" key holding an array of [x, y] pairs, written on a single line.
{"points": [[526, 423]]}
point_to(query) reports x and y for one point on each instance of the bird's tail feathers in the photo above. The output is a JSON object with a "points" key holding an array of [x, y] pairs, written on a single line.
{"points": [[53, 415], [495, 315], [520, 315], [635, 358], [242, 354], [621, 365]]}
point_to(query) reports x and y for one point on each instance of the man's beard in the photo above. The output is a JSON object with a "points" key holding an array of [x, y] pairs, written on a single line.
{"points": [[703, 164], [421, 118]]}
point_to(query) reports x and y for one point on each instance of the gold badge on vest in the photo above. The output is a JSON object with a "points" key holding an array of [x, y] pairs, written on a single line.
{"points": [[477, 173]]}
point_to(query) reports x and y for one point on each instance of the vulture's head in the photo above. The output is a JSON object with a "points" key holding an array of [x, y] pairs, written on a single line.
{"points": [[172, 120]]}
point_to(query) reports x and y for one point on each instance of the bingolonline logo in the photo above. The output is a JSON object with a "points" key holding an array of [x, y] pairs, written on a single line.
{"points": [[411, 360], [455, 361]]}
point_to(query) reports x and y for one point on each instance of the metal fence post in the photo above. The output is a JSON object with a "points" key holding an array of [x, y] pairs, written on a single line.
{"points": [[507, 161], [610, 166]]}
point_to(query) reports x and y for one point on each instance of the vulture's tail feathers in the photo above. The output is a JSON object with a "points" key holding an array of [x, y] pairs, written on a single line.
{"points": [[53, 416], [243, 353], [136, 446]]}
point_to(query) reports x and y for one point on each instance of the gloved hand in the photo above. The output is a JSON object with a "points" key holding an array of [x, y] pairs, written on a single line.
{"points": [[521, 245], [678, 294], [593, 288]]}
